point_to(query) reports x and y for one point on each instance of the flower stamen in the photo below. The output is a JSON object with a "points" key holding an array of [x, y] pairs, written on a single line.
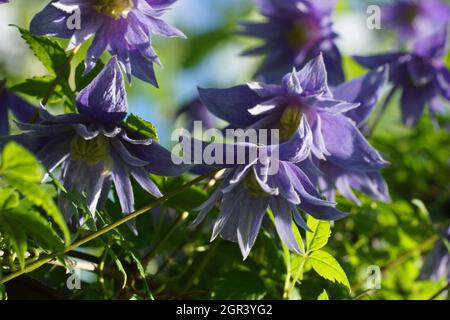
{"points": [[289, 122], [302, 33], [114, 8], [253, 187], [92, 151]]}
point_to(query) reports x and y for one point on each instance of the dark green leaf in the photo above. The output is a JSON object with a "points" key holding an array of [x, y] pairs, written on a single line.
{"points": [[37, 87], [82, 81], [142, 126]]}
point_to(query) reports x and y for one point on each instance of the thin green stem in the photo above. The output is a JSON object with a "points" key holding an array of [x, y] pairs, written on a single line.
{"points": [[442, 290], [287, 280], [298, 275], [363, 294], [381, 113], [182, 217], [287, 260], [36, 265]]}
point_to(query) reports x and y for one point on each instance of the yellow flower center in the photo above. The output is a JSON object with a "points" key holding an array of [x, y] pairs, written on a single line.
{"points": [[410, 14], [298, 36], [252, 186], [114, 8], [92, 151], [289, 122]]}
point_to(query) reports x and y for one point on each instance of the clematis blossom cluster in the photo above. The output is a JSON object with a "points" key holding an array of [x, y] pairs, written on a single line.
{"points": [[122, 27], [420, 75], [415, 18], [294, 32], [334, 150], [95, 150]]}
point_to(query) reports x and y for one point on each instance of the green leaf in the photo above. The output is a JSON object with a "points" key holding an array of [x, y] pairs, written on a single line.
{"points": [[18, 163], [141, 270], [49, 52], [82, 81], [35, 226], [36, 87], [3, 294], [22, 224], [9, 199], [142, 126], [119, 266], [24, 173], [298, 237], [319, 235], [15, 234], [423, 211], [328, 267], [41, 197], [323, 296]]}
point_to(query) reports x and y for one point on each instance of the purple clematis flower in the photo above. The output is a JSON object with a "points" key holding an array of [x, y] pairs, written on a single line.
{"points": [[273, 179], [437, 262], [294, 32], [421, 75], [123, 27], [95, 150], [413, 18], [4, 1], [196, 111], [336, 138], [365, 90], [10, 102]]}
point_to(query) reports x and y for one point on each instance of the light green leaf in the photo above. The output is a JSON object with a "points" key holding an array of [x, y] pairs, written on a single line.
{"points": [[423, 211], [18, 163], [22, 224], [119, 266], [323, 296], [49, 52], [298, 237], [35, 226], [41, 197], [142, 126], [319, 235], [9, 199], [328, 267]]}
